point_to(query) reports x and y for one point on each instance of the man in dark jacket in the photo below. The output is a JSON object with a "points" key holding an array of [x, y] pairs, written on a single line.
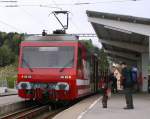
{"points": [[114, 82], [127, 84]]}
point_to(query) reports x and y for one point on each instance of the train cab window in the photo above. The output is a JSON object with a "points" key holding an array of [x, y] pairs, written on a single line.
{"points": [[48, 57]]}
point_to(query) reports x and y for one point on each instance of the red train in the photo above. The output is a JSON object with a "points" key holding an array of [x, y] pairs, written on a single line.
{"points": [[56, 67]]}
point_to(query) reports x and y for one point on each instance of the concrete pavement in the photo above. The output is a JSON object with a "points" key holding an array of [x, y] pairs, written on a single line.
{"points": [[92, 108], [115, 109], [10, 99], [10, 103]]}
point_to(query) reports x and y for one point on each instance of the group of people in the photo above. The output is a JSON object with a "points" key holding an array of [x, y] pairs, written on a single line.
{"points": [[128, 79]]}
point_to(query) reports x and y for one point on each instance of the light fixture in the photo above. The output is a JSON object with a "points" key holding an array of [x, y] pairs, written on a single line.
{"points": [[66, 77]]}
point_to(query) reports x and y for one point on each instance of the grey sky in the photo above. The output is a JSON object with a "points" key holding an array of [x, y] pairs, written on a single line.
{"points": [[33, 19]]}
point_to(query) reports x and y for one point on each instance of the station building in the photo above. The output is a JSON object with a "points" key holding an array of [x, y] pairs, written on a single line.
{"points": [[125, 38]]}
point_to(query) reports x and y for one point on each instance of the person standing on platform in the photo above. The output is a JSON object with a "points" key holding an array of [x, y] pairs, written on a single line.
{"points": [[106, 89], [113, 79], [134, 74], [127, 85]]}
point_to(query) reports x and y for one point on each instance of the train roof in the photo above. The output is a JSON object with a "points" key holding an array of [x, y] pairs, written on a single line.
{"points": [[56, 38], [52, 37]]}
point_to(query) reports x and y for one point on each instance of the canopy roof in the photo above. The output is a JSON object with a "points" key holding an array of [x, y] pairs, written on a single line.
{"points": [[123, 37]]}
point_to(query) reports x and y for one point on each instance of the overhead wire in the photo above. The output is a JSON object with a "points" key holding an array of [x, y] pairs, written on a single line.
{"points": [[91, 3], [8, 1], [11, 26], [38, 21], [112, 1], [56, 6]]}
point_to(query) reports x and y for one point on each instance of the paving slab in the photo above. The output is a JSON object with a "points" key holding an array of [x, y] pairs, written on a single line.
{"points": [[10, 104], [92, 108], [115, 109]]}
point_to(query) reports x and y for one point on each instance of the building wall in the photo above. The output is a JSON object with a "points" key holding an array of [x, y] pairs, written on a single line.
{"points": [[145, 63]]}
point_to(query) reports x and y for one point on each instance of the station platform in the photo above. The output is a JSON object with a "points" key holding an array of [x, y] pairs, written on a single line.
{"points": [[9, 99], [91, 108], [10, 103], [9, 92]]}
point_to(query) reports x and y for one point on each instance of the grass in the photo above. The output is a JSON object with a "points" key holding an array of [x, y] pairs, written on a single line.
{"points": [[9, 73], [11, 81]]}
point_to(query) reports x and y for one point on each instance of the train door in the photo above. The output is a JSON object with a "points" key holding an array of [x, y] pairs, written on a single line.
{"points": [[95, 73], [79, 64]]}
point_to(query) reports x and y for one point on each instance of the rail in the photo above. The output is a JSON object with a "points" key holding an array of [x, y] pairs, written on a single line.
{"points": [[51, 114], [27, 113]]}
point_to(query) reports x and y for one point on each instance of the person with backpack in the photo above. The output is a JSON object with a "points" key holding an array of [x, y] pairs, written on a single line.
{"points": [[127, 84], [134, 74]]}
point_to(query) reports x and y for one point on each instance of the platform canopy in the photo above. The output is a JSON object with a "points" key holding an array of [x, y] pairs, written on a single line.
{"points": [[123, 37]]}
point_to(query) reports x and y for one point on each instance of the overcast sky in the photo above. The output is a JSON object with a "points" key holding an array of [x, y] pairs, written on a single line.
{"points": [[29, 17]]}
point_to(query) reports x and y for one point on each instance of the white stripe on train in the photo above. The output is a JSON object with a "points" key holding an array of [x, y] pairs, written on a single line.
{"points": [[84, 91], [80, 82], [83, 82]]}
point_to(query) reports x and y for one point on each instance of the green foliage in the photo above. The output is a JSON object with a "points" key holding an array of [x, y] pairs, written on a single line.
{"points": [[102, 56], [9, 47], [88, 44], [103, 61], [2, 38], [6, 56], [11, 81], [9, 73]]}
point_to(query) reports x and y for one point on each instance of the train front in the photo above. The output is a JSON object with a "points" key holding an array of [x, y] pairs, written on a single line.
{"points": [[47, 69]]}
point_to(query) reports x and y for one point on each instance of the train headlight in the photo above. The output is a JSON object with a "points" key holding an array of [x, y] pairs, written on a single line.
{"points": [[26, 76], [25, 85], [29, 76], [62, 77], [65, 77]]}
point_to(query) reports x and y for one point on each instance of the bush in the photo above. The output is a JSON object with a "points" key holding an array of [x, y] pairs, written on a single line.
{"points": [[6, 56], [8, 73], [10, 81]]}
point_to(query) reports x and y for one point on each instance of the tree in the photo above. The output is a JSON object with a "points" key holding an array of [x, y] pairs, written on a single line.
{"points": [[2, 38], [9, 47], [13, 41], [103, 61], [6, 56], [102, 56]]}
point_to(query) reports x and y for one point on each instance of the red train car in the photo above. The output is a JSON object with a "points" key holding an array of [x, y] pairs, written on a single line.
{"points": [[56, 67]]}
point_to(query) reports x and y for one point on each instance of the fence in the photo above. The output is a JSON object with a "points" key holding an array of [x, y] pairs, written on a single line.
{"points": [[3, 83]]}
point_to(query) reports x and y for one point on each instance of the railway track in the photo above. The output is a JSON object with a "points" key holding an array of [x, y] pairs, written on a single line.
{"points": [[51, 114], [27, 113], [38, 112]]}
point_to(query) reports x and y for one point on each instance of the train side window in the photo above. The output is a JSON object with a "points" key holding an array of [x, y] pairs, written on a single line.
{"points": [[80, 65], [79, 57]]}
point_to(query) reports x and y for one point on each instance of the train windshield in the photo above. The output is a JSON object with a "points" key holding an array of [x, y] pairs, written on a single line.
{"points": [[48, 57]]}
